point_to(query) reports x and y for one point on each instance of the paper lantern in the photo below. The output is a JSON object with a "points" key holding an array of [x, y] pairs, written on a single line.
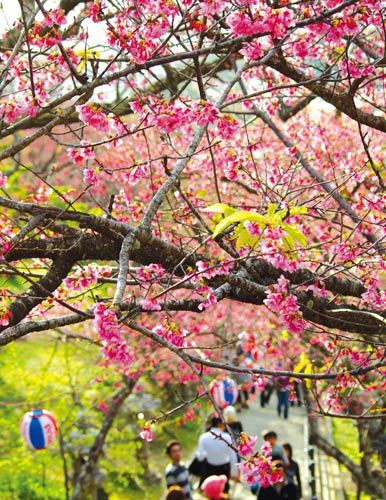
{"points": [[38, 429], [223, 391]]}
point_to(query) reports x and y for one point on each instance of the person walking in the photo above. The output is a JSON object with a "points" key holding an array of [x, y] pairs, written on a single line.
{"points": [[243, 381], [292, 469], [282, 389], [176, 473], [266, 393], [235, 425], [277, 451], [298, 396], [282, 490], [216, 452]]}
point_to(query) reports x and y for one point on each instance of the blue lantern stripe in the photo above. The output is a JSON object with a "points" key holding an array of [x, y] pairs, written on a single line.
{"points": [[36, 434], [229, 392]]}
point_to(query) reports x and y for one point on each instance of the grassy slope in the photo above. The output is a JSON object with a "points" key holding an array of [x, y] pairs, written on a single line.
{"points": [[346, 439], [40, 371]]}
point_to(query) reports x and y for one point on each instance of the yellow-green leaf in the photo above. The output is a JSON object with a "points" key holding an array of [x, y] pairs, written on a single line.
{"points": [[295, 233], [308, 370], [202, 193], [288, 242], [239, 216], [219, 208], [272, 207], [244, 237], [298, 210]]}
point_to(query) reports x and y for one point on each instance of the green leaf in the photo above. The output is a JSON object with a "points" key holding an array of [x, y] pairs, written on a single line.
{"points": [[220, 208], [298, 210], [295, 233], [243, 237], [239, 216], [289, 243], [202, 193], [272, 207]]}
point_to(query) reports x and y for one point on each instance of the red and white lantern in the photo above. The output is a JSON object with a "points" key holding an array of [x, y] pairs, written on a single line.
{"points": [[224, 392]]}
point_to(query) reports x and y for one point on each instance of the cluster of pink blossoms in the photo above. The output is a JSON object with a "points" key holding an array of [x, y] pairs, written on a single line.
{"points": [[353, 70], [171, 332], [261, 19], [84, 277], [169, 117], [246, 444], [81, 154], [150, 304], [150, 272], [136, 174], [333, 401], [54, 17], [115, 348], [94, 116], [280, 301], [207, 270], [358, 358], [258, 469], [373, 295], [210, 299], [139, 27]]}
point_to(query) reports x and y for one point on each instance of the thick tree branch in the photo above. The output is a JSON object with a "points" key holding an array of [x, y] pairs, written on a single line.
{"points": [[342, 102], [40, 290]]}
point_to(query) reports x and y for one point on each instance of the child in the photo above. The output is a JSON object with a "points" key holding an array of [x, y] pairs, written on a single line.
{"points": [[213, 487], [175, 493]]}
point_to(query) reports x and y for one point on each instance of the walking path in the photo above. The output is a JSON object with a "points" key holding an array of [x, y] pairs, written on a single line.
{"points": [[256, 419]]}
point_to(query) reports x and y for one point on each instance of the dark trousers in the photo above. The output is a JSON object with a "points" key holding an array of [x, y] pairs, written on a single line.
{"points": [[265, 395], [282, 400], [216, 470]]}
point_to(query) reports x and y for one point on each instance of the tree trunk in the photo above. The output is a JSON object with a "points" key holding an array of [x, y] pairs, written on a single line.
{"points": [[89, 468]]}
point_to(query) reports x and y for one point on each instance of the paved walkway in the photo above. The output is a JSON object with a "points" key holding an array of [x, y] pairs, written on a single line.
{"points": [[328, 477], [256, 419]]}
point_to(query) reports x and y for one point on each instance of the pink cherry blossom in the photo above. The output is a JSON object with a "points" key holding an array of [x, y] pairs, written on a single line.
{"points": [[246, 444], [5, 316], [147, 435], [279, 300], [90, 177], [150, 305], [171, 332], [209, 301], [115, 348], [3, 180]]}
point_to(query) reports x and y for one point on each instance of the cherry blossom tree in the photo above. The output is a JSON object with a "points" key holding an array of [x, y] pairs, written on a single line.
{"points": [[176, 172]]}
